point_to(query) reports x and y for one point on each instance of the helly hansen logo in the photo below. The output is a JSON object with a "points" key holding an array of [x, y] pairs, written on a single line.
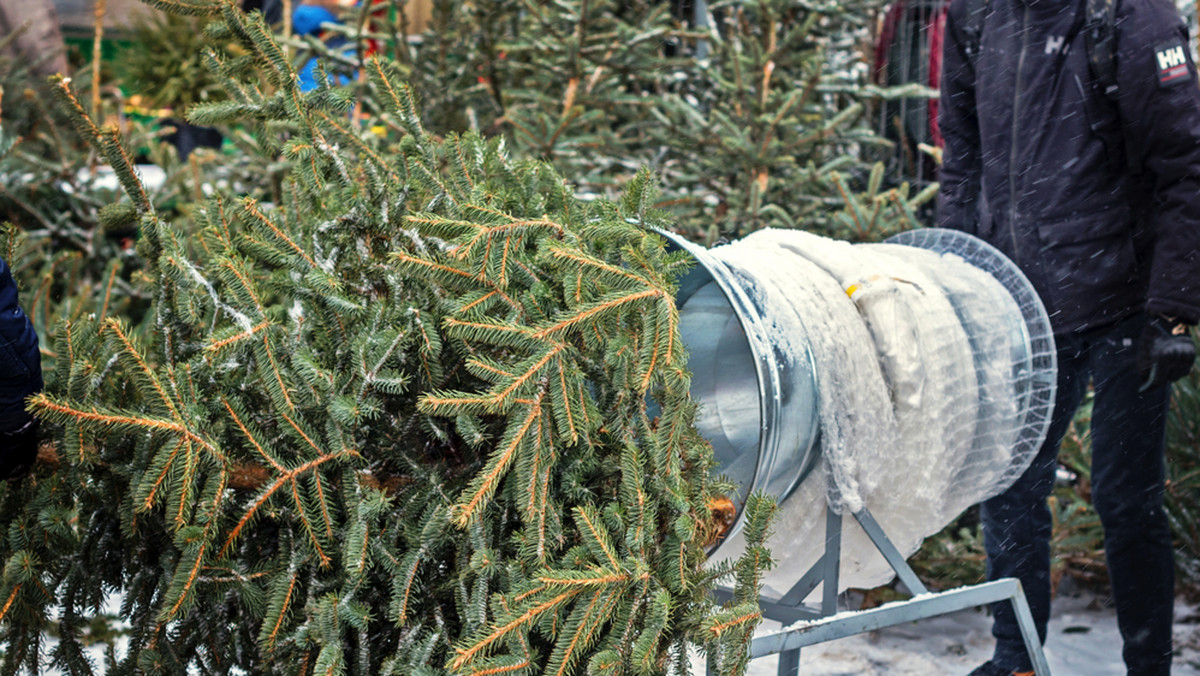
{"points": [[1169, 58], [1172, 64], [1055, 44]]}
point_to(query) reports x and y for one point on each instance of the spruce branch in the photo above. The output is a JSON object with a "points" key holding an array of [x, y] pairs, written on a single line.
{"points": [[597, 312], [282, 480], [107, 141], [261, 221], [103, 422], [530, 614], [595, 537], [180, 593], [398, 97], [581, 631], [487, 481], [189, 7]]}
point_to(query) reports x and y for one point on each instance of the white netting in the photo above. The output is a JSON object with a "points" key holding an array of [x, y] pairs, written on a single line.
{"points": [[933, 389]]}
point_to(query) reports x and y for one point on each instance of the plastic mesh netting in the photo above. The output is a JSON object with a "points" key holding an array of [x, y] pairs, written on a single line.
{"points": [[936, 371]]}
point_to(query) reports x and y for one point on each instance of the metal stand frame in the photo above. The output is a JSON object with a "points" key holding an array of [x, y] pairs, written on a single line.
{"points": [[820, 624]]}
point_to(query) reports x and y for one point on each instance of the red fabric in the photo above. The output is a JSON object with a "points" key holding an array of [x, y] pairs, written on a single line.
{"points": [[936, 28], [937, 33], [886, 35], [373, 25]]}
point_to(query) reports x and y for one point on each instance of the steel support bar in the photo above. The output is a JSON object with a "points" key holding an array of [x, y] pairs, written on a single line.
{"points": [[826, 569], [800, 591], [788, 615], [884, 544], [789, 663], [833, 562], [931, 605], [774, 610]]}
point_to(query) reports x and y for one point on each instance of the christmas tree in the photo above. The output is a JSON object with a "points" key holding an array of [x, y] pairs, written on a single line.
{"points": [[396, 421]]}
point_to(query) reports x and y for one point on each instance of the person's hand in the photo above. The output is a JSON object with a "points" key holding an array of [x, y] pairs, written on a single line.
{"points": [[1165, 351]]}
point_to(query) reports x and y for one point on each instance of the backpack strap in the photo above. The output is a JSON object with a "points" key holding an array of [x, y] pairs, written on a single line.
{"points": [[973, 29], [1100, 41]]}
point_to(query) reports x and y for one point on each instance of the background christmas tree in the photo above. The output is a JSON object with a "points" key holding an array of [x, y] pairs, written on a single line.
{"points": [[756, 118]]}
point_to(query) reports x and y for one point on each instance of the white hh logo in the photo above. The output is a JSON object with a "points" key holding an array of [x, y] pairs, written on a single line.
{"points": [[1169, 58], [1054, 44]]}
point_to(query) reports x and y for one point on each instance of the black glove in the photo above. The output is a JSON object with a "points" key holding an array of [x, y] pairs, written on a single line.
{"points": [[1165, 351], [18, 451]]}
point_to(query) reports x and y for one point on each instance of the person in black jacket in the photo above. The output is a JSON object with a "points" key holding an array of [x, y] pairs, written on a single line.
{"points": [[1095, 195], [20, 376]]}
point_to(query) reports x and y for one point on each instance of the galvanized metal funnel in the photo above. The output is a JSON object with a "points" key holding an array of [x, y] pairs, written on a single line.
{"points": [[757, 392]]}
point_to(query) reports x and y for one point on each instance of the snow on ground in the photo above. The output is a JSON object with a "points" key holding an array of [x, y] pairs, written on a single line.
{"points": [[1082, 640]]}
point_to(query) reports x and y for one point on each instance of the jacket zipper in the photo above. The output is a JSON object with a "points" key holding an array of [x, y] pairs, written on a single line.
{"points": [[1012, 155]]}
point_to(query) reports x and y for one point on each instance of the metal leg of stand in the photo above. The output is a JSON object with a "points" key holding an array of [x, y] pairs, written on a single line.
{"points": [[789, 663], [1033, 642], [833, 562], [823, 624]]}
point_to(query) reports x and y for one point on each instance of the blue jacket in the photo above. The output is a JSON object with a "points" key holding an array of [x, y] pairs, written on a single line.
{"points": [[20, 361], [1096, 200]]}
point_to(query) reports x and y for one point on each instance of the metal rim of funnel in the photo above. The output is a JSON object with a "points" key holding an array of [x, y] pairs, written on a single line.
{"points": [[771, 447], [1041, 367]]}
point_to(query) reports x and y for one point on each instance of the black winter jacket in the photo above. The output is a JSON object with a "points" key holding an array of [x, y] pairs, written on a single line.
{"points": [[1097, 201], [20, 361]]}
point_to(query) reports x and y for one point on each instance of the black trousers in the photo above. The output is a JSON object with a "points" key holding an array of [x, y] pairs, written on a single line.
{"points": [[1128, 439]]}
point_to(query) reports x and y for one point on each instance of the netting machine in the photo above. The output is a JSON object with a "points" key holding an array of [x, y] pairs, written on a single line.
{"points": [[897, 383]]}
